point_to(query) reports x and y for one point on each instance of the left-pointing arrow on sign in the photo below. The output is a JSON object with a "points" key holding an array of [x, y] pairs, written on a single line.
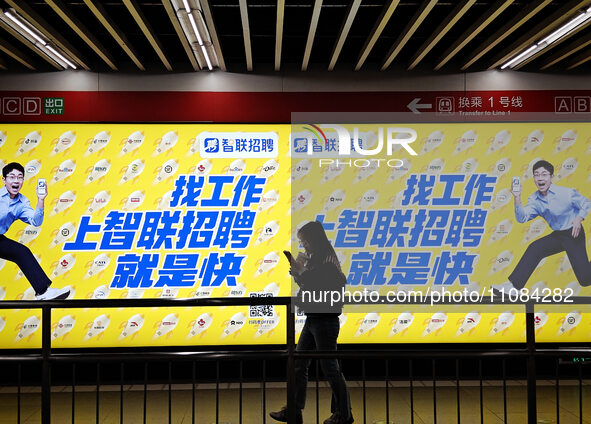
{"points": [[414, 105]]}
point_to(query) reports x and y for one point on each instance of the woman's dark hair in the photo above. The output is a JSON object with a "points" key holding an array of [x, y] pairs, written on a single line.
{"points": [[322, 250]]}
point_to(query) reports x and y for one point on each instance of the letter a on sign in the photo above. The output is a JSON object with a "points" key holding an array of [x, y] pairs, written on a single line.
{"points": [[563, 105]]}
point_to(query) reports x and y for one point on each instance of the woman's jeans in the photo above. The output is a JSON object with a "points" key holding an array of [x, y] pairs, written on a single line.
{"points": [[320, 333]]}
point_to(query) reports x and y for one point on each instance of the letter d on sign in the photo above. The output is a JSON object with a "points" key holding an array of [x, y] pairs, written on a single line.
{"points": [[31, 106]]}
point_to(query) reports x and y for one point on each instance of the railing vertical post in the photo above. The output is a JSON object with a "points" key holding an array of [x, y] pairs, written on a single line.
{"points": [[145, 391], [504, 389], [264, 390], [481, 393], [434, 393], [290, 340], [363, 390], [387, 392], [121, 376], [193, 393], [412, 398], [217, 391], [240, 393], [317, 375], [169, 392], [46, 371], [531, 362], [557, 390], [73, 392], [98, 392], [458, 408], [580, 392], [18, 393]]}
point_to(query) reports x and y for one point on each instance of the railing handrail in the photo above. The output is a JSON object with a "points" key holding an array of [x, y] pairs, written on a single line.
{"points": [[147, 302], [245, 301]]}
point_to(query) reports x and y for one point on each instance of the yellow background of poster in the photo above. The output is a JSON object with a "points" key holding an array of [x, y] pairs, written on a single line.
{"points": [[484, 148]]}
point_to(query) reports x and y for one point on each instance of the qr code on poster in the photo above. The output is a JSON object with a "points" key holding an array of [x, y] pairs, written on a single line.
{"points": [[260, 311]]}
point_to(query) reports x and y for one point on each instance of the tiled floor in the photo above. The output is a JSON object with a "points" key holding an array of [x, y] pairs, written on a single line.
{"points": [[375, 406]]}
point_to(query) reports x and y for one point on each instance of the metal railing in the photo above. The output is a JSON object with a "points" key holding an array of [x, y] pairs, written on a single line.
{"points": [[48, 356]]}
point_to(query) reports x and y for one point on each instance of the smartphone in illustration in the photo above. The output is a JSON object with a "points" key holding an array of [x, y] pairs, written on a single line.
{"points": [[516, 185], [41, 186]]}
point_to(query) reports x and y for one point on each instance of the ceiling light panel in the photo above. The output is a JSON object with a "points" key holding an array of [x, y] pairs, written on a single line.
{"points": [[28, 31], [190, 17]]}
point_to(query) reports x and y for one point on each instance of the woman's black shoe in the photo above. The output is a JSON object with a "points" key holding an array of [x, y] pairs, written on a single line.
{"points": [[282, 415]]}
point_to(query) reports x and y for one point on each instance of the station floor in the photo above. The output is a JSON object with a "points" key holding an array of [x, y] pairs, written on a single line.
{"points": [[252, 401]]}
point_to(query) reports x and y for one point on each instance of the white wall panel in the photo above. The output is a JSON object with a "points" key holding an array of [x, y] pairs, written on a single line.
{"points": [[290, 82]]}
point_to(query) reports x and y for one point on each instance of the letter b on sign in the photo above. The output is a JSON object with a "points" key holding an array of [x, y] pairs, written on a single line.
{"points": [[582, 104]]}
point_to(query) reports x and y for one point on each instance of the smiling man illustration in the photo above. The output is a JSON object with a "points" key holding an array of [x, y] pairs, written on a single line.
{"points": [[564, 209], [13, 206]]}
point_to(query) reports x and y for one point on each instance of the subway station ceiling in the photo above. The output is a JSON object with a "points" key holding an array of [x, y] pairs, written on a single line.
{"points": [[266, 36]]}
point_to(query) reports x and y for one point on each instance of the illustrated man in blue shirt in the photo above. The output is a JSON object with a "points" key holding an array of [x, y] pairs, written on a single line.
{"points": [[564, 209], [13, 206]]}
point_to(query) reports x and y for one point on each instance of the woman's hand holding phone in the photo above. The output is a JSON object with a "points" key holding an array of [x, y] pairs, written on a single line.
{"points": [[296, 266]]}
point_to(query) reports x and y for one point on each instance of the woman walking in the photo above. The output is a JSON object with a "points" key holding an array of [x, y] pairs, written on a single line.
{"points": [[317, 276]]}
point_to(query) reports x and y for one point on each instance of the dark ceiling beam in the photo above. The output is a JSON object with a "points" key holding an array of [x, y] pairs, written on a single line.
{"points": [[180, 33], [246, 34], [375, 33], [100, 13], [279, 33], [408, 31], [28, 44], [311, 33], [492, 13], [579, 60], [3, 65], [147, 30], [440, 31], [345, 28], [506, 30], [83, 32], [567, 51], [52, 34], [16, 54], [546, 26]]}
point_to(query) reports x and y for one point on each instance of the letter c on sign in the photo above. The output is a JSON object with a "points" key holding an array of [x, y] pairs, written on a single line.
{"points": [[12, 106]]}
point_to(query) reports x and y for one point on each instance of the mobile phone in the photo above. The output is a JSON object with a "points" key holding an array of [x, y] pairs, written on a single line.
{"points": [[288, 255], [516, 185], [41, 186]]}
